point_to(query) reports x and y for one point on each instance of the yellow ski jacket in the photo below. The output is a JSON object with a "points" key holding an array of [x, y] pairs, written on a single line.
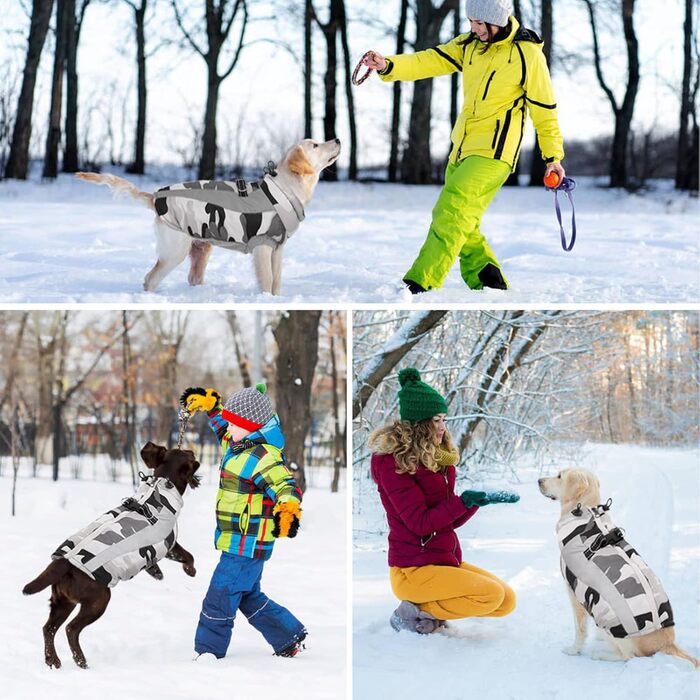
{"points": [[500, 86]]}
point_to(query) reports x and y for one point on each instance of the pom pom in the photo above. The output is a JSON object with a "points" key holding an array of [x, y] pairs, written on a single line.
{"points": [[409, 374], [261, 388]]}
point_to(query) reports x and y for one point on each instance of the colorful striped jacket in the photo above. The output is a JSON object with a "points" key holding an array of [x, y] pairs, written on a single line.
{"points": [[253, 478]]}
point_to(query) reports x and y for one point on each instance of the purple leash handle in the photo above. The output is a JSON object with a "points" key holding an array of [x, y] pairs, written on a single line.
{"points": [[567, 186]]}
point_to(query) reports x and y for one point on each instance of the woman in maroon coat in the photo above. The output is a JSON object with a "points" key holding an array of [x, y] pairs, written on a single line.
{"points": [[414, 468]]}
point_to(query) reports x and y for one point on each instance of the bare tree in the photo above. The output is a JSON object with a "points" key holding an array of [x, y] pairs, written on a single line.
{"points": [[308, 76], [417, 167], [18, 161], [296, 335], [139, 8], [412, 331], [220, 16], [623, 111], [349, 95], [687, 158], [396, 102], [239, 348]]}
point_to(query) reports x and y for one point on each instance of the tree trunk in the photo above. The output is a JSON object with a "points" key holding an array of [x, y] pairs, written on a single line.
{"points": [[18, 161], [70, 153], [338, 441], [349, 95], [137, 167], [53, 136], [308, 46], [685, 154], [454, 83], [396, 106], [417, 167], [207, 163], [297, 340], [330, 30], [537, 165]]}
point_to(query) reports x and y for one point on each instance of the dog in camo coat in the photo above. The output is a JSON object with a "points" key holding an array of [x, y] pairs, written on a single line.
{"points": [[606, 578], [257, 217]]}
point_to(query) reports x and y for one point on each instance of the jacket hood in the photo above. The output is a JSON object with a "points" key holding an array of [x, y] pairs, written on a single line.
{"points": [[270, 434]]}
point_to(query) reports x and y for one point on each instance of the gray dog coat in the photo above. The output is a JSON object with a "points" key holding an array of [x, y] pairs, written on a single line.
{"points": [[608, 577], [237, 215], [124, 541]]}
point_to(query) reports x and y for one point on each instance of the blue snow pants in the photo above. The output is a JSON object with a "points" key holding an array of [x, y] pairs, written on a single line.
{"points": [[235, 585]]}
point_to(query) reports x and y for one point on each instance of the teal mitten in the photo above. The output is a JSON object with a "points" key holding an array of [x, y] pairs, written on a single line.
{"points": [[485, 498]]}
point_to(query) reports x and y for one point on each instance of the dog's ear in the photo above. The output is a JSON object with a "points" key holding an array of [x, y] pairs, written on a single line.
{"points": [[298, 163], [193, 479], [153, 454], [578, 482]]}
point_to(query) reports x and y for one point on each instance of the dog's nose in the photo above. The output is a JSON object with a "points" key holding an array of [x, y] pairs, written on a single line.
{"points": [[337, 140]]}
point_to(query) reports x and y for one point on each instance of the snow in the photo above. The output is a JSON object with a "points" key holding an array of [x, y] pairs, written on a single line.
{"points": [[656, 500], [143, 645], [70, 241]]}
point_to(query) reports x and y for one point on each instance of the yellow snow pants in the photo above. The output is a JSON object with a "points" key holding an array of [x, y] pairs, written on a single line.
{"points": [[452, 592], [470, 186]]}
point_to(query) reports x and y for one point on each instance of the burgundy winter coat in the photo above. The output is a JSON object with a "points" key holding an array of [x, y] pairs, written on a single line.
{"points": [[423, 512]]}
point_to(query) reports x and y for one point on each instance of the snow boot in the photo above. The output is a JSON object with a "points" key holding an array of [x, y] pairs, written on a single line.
{"points": [[414, 287], [490, 276], [294, 648], [410, 617]]}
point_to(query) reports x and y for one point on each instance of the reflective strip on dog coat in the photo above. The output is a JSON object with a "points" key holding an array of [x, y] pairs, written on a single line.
{"points": [[608, 577], [236, 215], [129, 538]]}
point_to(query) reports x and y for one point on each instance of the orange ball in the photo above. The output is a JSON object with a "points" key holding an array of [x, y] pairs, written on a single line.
{"points": [[552, 180]]}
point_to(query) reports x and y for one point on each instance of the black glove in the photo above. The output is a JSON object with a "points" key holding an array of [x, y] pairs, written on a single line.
{"points": [[286, 517]]}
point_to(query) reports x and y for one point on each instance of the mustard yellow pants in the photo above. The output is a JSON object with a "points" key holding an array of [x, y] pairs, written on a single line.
{"points": [[452, 592]]}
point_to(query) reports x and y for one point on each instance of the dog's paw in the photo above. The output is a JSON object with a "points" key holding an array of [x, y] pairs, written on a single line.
{"points": [[605, 655], [572, 650]]}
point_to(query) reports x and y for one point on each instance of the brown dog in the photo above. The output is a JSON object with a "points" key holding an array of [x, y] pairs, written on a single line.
{"points": [[70, 586]]}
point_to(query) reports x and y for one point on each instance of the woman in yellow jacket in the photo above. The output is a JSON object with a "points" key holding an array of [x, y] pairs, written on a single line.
{"points": [[505, 77]]}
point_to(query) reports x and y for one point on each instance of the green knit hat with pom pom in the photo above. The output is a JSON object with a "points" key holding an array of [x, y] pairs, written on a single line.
{"points": [[248, 408], [417, 400]]}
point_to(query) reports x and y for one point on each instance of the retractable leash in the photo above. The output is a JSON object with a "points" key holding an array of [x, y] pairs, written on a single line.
{"points": [[567, 185], [355, 79]]}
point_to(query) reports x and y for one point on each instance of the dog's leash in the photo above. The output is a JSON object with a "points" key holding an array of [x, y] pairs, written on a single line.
{"points": [[183, 416], [567, 186], [355, 79]]}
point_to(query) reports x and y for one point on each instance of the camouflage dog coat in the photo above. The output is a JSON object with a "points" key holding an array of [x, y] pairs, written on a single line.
{"points": [[129, 538], [608, 577], [237, 215]]}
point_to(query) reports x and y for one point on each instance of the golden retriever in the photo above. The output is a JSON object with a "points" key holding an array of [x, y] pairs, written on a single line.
{"points": [[572, 487], [296, 176]]}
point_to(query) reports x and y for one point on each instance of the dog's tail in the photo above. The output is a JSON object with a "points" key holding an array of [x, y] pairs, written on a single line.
{"points": [[120, 185], [674, 650], [51, 574]]}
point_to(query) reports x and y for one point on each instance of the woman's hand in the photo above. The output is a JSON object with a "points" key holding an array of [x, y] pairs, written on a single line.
{"points": [[555, 168], [374, 60]]}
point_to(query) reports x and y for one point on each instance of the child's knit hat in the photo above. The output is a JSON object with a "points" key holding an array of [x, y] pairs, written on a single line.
{"points": [[417, 400], [490, 11], [248, 408]]}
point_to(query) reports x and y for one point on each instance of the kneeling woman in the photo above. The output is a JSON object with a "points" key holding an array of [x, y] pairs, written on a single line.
{"points": [[414, 468]]}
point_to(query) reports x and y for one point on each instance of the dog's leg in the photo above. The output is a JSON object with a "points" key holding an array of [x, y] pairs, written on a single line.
{"points": [[90, 610], [199, 257], [580, 622], [179, 553], [277, 270], [172, 247], [60, 609], [262, 259]]}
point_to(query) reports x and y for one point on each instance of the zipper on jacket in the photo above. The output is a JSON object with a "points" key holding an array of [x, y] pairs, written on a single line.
{"points": [[495, 133], [488, 84]]}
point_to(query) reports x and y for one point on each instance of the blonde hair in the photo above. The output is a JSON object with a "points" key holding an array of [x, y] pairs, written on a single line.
{"points": [[412, 444]]}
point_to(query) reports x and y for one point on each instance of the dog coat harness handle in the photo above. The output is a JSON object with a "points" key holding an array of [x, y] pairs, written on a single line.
{"points": [[358, 81], [183, 416], [567, 186]]}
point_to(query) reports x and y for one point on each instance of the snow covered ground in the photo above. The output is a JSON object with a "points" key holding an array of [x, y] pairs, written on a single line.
{"points": [[656, 500], [142, 646], [72, 242]]}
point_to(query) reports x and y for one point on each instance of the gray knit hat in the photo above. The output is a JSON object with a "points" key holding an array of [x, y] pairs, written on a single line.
{"points": [[248, 408], [490, 11]]}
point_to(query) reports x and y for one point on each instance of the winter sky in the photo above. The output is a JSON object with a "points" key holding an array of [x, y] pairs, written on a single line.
{"points": [[263, 96]]}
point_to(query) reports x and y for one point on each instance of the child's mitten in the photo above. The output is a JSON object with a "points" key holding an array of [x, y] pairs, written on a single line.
{"points": [[485, 498], [195, 399], [286, 516]]}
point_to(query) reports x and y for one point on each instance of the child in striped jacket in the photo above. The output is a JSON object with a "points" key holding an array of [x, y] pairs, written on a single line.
{"points": [[258, 500]]}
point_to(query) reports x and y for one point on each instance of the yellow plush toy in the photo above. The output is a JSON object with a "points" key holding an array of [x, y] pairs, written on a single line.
{"points": [[198, 399]]}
